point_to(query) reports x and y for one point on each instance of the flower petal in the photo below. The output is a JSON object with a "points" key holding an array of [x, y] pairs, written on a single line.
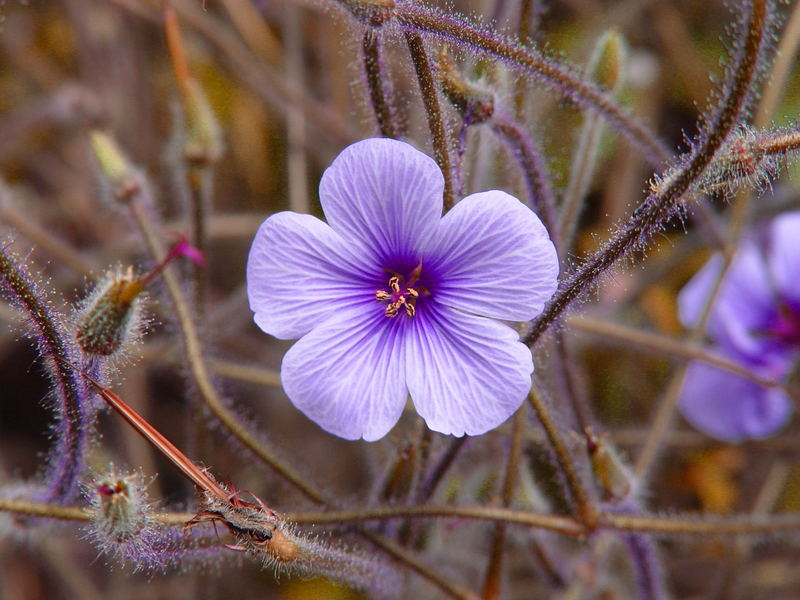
{"points": [[745, 305], [785, 256], [465, 374], [730, 407], [299, 271], [348, 374], [385, 194], [492, 256]]}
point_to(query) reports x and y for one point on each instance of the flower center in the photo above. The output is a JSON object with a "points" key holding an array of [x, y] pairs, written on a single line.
{"points": [[402, 292], [787, 327]]}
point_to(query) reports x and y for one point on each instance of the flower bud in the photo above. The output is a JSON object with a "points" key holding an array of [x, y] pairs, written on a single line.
{"points": [[125, 180], [119, 513], [203, 145], [110, 316], [608, 60]]}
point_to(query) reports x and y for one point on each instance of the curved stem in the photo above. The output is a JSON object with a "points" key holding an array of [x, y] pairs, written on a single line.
{"points": [[554, 75], [651, 215]]}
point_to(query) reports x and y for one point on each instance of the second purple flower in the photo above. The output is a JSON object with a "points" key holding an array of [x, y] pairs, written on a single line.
{"points": [[389, 297]]}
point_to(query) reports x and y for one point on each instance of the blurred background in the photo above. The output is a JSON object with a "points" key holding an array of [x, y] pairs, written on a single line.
{"points": [[285, 81]]}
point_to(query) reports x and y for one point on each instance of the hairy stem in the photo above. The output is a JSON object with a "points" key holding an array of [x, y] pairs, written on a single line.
{"points": [[650, 216], [73, 413], [554, 75], [430, 98], [586, 511], [370, 45]]}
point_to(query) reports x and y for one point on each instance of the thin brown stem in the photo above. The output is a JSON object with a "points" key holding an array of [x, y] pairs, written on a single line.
{"points": [[372, 67], [199, 370], [430, 98], [492, 583], [396, 551], [586, 511]]}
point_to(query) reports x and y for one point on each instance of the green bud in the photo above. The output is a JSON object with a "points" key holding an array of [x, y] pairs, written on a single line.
{"points": [[115, 166], [109, 317], [608, 60], [203, 145]]}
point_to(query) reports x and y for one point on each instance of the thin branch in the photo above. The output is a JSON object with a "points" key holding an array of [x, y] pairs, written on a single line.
{"points": [[430, 97]]}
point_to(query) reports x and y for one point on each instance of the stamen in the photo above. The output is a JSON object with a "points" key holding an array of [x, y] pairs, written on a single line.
{"points": [[401, 293]]}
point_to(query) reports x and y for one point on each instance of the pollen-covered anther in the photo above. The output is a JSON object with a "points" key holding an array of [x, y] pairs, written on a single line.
{"points": [[402, 295]]}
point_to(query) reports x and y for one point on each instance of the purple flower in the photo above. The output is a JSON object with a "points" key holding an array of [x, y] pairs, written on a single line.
{"points": [[385, 296], [755, 322]]}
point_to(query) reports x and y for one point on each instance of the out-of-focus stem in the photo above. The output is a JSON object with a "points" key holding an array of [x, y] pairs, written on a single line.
{"points": [[537, 180], [585, 510], [492, 583], [662, 344], [295, 117]]}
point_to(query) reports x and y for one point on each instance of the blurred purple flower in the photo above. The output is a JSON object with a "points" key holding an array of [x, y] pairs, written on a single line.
{"points": [[385, 296], [754, 322]]}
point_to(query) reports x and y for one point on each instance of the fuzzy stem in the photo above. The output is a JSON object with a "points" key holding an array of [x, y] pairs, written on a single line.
{"points": [[662, 344], [651, 215], [586, 511], [531, 163], [430, 98], [430, 483], [492, 583], [677, 525], [197, 365], [375, 82], [554, 75], [73, 416]]}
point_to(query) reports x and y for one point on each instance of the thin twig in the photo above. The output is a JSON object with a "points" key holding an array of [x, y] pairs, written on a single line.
{"points": [[430, 98]]}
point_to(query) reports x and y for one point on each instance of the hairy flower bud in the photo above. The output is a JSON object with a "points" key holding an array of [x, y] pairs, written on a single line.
{"points": [[125, 179], [119, 507], [111, 315], [203, 144], [110, 318], [608, 60]]}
